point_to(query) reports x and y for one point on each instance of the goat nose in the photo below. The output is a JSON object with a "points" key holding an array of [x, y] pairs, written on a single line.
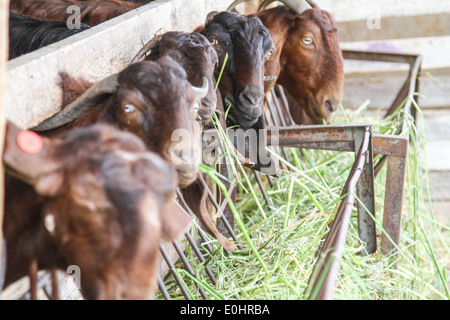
{"points": [[331, 106], [252, 96], [184, 156]]}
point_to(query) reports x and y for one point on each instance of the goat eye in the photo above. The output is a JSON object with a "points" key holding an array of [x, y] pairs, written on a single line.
{"points": [[214, 42], [129, 108], [196, 106], [270, 52], [307, 41]]}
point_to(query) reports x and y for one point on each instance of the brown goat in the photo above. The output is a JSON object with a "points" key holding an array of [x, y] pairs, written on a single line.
{"points": [[197, 57], [248, 45], [93, 197], [91, 12], [152, 99], [307, 60]]}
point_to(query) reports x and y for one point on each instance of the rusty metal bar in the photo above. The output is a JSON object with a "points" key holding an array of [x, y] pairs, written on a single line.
{"points": [[321, 285], [411, 84], [366, 194], [396, 147], [162, 289], [201, 258], [379, 56], [188, 266], [174, 274], [340, 138], [283, 97]]}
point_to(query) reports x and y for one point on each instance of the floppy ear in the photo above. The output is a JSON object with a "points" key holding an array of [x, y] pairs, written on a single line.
{"points": [[174, 221], [27, 156]]}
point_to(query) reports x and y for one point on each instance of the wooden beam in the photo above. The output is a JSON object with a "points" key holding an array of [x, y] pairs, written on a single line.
{"points": [[4, 16], [34, 94]]}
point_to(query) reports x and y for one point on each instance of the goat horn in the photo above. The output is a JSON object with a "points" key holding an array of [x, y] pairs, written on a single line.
{"points": [[81, 105], [235, 3], [201, 92], [210, 16], [313, 4], [296, 6], [148, 47]]}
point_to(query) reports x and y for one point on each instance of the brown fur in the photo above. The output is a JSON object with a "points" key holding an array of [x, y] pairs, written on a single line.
{"points": [[197, 57], [164, 103], [109, 208], [312, 75], [247, 42], [92, 12]]}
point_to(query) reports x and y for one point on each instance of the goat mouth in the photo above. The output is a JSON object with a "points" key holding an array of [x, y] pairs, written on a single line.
{"points": [[241, 120], [313, 113], [269, 78], [244, 111], [186, 178], [329, 106]]}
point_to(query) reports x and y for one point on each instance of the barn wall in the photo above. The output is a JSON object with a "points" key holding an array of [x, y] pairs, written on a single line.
{"points": [[33, 93]]}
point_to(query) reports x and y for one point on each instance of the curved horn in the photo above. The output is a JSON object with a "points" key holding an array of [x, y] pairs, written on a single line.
{"points": [[200, 93], [313, 4], [235, 3], [148, 47], [210, 16], [81, 105], [296, 6]]}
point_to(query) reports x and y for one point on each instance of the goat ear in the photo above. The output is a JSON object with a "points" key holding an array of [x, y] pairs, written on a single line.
{"points": [[27, 156], [174, 221]]}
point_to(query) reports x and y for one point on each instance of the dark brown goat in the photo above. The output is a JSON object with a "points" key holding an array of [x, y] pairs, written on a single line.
{"points": [[93, 197], [197, 57], [27, 34], [151, 99], [307, 60], [248, 45], [91, 12]]}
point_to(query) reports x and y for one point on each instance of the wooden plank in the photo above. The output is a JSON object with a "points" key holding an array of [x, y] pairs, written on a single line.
{"points": [[381, 89], [350, 10], [433, 49], [34, 94], [436, 124], [4, 16], [395, 27], [438, 153]]}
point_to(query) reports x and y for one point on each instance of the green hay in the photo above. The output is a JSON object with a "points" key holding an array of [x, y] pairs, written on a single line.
{"points": [[279, 245]]}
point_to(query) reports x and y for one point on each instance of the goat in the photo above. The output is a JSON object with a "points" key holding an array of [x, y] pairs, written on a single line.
{"points": [[248, 45], [197, 57], [152, 99], [91, 12], [93, 197], [307, 60], [27, 34]]}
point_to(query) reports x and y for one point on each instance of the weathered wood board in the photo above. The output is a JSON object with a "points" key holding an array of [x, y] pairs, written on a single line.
{"points": [[34, 94]]}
